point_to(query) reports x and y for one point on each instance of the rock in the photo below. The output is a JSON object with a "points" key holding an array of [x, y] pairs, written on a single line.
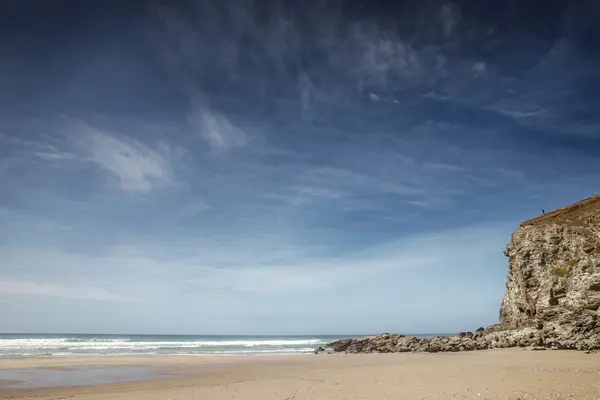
{"points": [[341, 345], [552, 297], [319, 350], [554, 264]]}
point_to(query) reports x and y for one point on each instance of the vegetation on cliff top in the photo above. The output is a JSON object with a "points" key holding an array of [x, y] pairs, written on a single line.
{"points": [[571, 214]]}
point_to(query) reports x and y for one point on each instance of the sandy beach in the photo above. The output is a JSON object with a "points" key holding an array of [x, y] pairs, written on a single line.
{"points": [[493, 374]]}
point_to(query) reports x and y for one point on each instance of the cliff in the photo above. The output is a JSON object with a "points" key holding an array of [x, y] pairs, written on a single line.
{"points": [[552, 297], [554, 275]]}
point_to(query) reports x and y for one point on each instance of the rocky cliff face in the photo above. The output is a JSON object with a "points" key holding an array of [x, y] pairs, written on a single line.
{"points": [[554, 275], [552, 294]]}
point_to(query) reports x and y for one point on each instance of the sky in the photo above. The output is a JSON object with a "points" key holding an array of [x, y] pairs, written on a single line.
{"points": [[268, 167]]}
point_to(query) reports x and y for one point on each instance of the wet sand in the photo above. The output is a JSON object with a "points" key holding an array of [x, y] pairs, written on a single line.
{"points": [[493, 374]]}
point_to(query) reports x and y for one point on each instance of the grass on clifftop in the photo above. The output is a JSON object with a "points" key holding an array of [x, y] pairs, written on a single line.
{"points": [[570, 214]]}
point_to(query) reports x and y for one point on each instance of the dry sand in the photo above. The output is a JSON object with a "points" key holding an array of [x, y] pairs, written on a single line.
{"points": [[492, 374]]}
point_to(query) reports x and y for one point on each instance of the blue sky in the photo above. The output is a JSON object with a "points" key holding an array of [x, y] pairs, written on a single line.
{"points": [[253, 167]]}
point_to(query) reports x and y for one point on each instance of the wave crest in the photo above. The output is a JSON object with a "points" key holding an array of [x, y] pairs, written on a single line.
{"points": [[94, 346]]}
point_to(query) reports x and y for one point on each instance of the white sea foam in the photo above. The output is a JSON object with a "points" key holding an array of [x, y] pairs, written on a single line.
{"points": [[94, 346], [64, 342]]}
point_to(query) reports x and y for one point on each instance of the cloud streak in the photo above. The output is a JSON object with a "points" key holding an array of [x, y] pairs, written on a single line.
{"points": [[16, 287], [358, 54], [218, 131], [138, 168]]}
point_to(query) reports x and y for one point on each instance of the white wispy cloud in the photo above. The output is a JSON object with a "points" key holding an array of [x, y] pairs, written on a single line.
{"points": [[302, 195], [184, 56], [521, 111], [16, 287], [218, 131], [349, 180], [363, 54], [385, 174], [42, 150], [284, 266], [545, 111], [257, 259], [374, 97], [194, 207], [138, 167], [451, 16], [480, 69]]}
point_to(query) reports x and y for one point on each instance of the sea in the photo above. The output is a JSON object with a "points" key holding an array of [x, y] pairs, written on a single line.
{"points": [[69, 345]]}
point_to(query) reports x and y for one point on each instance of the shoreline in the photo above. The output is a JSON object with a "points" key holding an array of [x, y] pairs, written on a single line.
{"points": [[493, 374], [129, 360]]}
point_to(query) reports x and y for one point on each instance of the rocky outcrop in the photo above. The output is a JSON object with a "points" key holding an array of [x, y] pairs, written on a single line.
{"points": [[554, 276], [466, 341], [552, 295]]}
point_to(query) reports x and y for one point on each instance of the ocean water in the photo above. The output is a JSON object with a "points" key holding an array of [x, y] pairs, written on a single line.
{"points": [[39, 345]]}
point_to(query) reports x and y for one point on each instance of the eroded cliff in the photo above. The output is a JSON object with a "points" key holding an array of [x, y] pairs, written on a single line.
{"points": [[554, 276], [552, 297]]}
